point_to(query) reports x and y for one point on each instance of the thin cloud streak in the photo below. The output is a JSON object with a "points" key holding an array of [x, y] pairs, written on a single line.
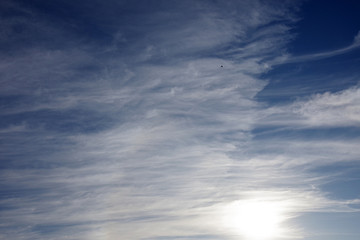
{"points": [[286, 59]]}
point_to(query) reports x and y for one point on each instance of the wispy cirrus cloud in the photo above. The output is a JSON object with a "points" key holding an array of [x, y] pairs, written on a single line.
{"points": [[287, 58], [339, 109], [139, 132]]}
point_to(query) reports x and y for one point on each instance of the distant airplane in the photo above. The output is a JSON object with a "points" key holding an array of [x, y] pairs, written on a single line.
{"points": [[221, 66]]}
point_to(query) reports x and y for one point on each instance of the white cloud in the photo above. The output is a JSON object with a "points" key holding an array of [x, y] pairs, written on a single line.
{"points": [[339, 109], [181, 147], [332, 109]]}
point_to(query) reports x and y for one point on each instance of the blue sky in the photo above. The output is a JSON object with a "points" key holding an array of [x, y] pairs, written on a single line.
{"points": [[179, 120]]}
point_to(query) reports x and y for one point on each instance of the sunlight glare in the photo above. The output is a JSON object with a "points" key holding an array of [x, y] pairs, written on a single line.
{"points": [[254, 219]]}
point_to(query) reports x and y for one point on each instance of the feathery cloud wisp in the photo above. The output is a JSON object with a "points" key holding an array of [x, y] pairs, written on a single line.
{"points": [[139, 132]]}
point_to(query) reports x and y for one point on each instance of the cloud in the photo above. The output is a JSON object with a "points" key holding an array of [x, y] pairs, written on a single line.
{"points": [[339, 109], [140, 133], [287, 58], [357, 39]]}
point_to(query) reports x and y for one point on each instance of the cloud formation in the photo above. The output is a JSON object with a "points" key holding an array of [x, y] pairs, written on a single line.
{"points": [[130, 128], [287, 58]]}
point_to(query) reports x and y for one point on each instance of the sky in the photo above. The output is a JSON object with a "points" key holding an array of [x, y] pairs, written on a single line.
{"points": [[162, 120]]}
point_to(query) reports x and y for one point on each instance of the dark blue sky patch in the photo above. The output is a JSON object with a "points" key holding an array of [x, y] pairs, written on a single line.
{"points": [[70, 18], [325, 25], [291, 81], [51, 229], [8, 102], [23, 29], [17, 193], [70, 121], [35, 150]]}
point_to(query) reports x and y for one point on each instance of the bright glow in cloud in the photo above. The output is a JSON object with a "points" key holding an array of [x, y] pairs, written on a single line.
{"points": [[255, 219]]}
